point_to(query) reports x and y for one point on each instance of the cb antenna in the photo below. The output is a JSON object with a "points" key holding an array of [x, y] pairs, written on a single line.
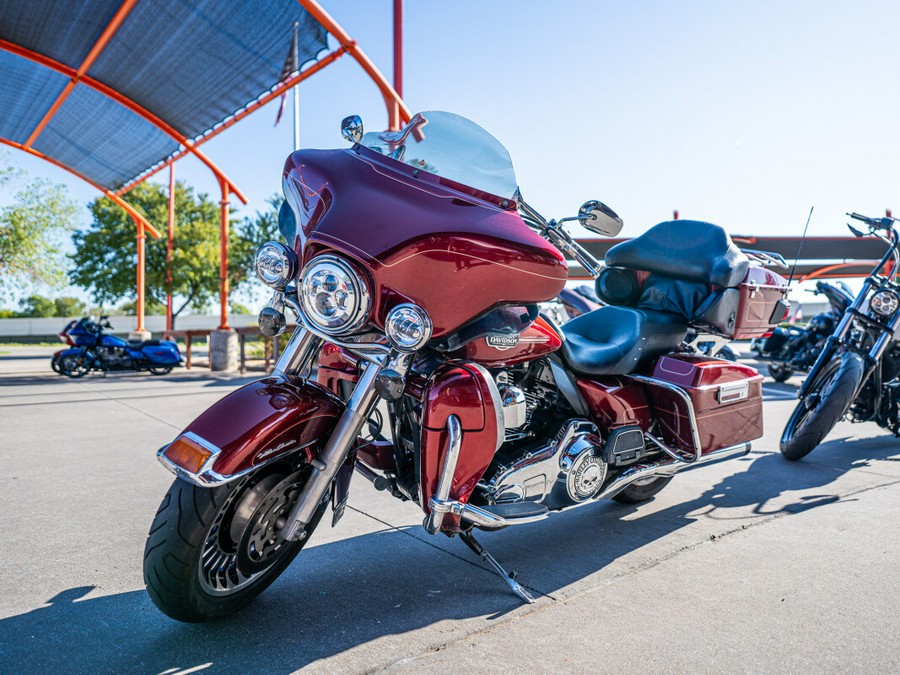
{"points": [[800, 247]]}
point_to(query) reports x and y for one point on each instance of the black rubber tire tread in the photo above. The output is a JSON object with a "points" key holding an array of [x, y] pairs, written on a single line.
{"points": [[836, 384], [780, 373], [727, 353], [634, 494], [74, 374], [160, 370], [173, 548]]}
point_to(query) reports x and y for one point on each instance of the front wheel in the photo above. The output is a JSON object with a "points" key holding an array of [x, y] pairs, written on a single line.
{"points": [[828, 399], [75, 365], [211, 551]]}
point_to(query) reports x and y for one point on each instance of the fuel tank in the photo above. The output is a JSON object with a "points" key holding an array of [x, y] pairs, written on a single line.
{"points": [[418, 238], [504, 350]]}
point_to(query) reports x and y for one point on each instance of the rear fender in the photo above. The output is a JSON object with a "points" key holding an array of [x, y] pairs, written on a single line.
{"points": [[255, 425]]}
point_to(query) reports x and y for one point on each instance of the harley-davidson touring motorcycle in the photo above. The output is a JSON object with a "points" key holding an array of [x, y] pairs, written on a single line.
{"points": [[415, 269], [95, 349], [857, 374], [793, 349]]}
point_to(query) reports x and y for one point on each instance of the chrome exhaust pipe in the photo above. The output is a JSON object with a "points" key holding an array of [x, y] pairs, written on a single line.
{"points": [[668, 467]]}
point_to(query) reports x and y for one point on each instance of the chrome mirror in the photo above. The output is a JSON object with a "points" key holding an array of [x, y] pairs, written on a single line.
{"points": [[599, 218], [352, 128]]}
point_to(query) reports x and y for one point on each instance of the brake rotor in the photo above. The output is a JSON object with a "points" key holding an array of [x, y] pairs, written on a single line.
{"points": [[260, 517]]}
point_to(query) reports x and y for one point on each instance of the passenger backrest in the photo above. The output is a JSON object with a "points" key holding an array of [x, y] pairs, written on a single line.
{"points": [[688, 250]]}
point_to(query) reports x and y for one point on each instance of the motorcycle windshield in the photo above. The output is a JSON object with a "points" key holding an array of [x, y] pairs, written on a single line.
{"points": [[451, 147]]}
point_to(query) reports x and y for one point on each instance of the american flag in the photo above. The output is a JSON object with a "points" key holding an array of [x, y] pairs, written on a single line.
{"points": [[289, 68]]}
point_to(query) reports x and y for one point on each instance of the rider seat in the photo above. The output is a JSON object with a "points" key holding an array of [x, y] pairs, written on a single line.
{"points": [[677, 274], [619, 340]]}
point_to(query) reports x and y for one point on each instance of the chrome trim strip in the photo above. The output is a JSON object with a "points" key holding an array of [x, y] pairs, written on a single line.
{"points": [[438, 503], [496, 399], [208, 478]]}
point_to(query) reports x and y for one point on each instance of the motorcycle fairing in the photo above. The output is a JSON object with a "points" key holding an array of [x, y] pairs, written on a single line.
{"points": [[403, 229], [468, 391], [254, 425]]}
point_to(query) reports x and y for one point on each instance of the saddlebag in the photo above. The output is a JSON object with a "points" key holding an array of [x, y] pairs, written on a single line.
{"points": [[727, 400]]}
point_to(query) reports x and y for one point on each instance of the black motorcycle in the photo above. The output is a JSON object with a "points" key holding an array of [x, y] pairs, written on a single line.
{"points": [[793, 349], [856, 373]]}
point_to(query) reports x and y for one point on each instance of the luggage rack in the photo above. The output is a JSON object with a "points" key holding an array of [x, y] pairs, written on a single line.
{"points": [[765, 258]]}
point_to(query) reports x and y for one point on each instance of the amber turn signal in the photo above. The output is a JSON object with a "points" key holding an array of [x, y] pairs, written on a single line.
{"points": [[188, 454]]}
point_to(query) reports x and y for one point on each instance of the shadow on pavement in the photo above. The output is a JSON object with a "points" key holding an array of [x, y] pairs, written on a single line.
{"points": [[339, 595]]}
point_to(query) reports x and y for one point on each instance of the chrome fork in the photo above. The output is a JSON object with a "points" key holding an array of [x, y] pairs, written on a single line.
{"points": [[297, 356]]}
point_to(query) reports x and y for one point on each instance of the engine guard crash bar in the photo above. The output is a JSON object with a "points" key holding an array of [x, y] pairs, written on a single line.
{"points": [[483, 518]]}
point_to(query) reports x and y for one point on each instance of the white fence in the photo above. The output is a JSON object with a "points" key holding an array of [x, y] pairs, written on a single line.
{"points": [[48, 328]]}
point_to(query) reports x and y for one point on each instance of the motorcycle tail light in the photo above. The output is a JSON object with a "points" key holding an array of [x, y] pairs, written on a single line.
{"points": [[188, 454]]}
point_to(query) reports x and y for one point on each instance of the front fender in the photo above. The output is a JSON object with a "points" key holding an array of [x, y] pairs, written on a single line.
{"points": [[259, 423]]}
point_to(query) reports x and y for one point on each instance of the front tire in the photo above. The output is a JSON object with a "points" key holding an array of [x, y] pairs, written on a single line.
{"points": [[828, 399], [211, 551], [75, 365]]}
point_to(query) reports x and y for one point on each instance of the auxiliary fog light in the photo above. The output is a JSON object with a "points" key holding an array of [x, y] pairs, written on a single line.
{"points": [[276, 264], [408, 327], [884, 303]]}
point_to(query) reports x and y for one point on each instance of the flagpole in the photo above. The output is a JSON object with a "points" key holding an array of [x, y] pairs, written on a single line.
{"points": [[296, 64]]}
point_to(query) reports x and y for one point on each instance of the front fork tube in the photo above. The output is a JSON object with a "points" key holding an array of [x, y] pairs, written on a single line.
{"points": [[298, 354], [873, 357], [342, 440]]}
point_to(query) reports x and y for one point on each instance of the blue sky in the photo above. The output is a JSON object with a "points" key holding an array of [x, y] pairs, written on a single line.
{"points": [[741, 113]]}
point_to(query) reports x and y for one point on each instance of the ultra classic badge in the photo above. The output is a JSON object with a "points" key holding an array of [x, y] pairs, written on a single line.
{"points": [[502, 341]]}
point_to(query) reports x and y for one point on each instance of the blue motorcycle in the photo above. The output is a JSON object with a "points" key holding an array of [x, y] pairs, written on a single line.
{"points": [[96, 350]]}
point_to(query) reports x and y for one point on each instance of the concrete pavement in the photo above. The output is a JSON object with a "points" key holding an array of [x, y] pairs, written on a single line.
{"points": [[751, 565]]}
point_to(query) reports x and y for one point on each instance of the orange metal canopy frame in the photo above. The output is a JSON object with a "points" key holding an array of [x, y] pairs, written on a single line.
{"points": [[397, 114]]}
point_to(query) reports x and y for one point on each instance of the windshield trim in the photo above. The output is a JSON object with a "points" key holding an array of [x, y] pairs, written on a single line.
{"points": [[505, 203]]}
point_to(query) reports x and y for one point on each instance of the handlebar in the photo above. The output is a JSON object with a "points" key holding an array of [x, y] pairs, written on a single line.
{"points": [[885, 223], [555, 234]]}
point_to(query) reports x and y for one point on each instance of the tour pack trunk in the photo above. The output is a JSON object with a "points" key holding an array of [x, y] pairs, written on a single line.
{"points": [[727, 399]]}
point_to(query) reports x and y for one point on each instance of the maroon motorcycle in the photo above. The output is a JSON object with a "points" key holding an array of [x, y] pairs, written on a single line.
{"points": [[415, 269]]}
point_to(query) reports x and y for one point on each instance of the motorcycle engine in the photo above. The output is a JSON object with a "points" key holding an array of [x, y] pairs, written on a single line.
{"points": [[568, 468]]}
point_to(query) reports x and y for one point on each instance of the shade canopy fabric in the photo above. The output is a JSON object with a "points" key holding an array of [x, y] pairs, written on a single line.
{"points": [[138, 79]]}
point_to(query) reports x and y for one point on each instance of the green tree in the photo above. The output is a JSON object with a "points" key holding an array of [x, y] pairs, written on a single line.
{"points": [[254, 232], [32, 228], [151, 306], [106, 253], [69, 306], [38, 306]]}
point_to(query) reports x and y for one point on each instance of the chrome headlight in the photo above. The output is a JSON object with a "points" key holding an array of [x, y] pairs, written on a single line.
{"points": [[276, 264], [884, 303], [333, 296], [408, 327]]}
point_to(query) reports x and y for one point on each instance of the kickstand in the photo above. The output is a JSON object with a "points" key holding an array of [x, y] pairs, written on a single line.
{"points": [[509, 578]]}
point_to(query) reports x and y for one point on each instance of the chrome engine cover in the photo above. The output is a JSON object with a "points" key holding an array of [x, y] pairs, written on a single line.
{"points": [[568, 470]]}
